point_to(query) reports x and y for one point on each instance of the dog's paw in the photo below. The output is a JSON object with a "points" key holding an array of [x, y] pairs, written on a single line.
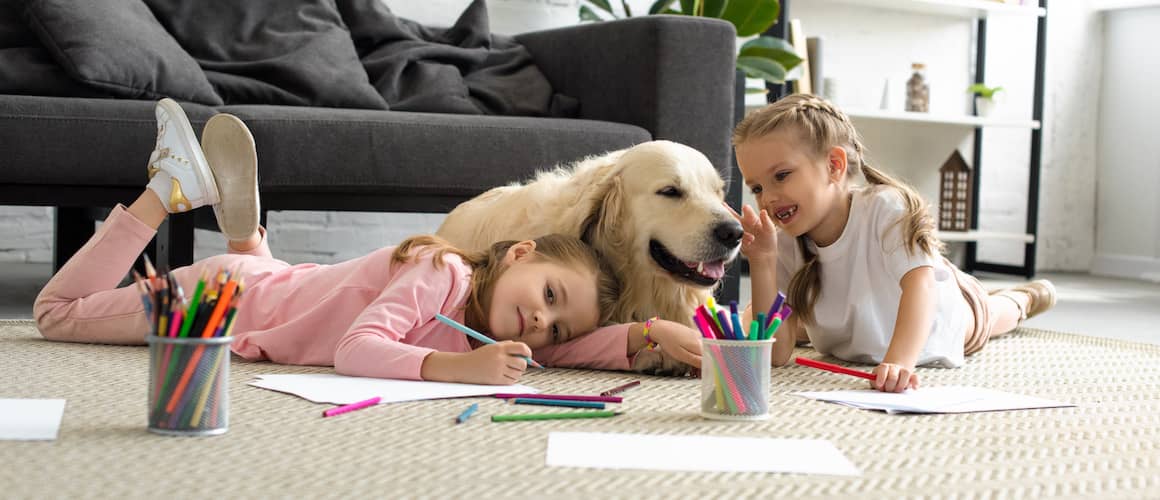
{"points": [[657, 363]]}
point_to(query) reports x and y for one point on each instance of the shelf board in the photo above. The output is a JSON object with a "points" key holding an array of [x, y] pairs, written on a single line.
{"points": [[975, 235], [946, 119], [974, 9]]}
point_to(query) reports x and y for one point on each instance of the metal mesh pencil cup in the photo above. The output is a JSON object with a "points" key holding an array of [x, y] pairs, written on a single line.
{"points": [[189, 385], [735, 379]]}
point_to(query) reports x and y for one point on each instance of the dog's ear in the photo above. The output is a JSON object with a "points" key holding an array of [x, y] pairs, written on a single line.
{"points": [[604, 222]]}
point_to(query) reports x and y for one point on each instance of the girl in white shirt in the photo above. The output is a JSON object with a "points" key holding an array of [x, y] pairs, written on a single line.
{"points": [[862, 265]]}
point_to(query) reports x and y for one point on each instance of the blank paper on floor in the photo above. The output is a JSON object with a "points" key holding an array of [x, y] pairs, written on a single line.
{"points": [[945, 399], [343, 390], [30, 419], [696, 453]]}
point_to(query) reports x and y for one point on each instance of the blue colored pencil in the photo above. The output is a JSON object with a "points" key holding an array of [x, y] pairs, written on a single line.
{"points": [[559, 402], [466, 413], [477, 336]]}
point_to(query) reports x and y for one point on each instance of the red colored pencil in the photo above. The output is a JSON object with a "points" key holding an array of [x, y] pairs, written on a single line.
{"points": [[833, 368]]}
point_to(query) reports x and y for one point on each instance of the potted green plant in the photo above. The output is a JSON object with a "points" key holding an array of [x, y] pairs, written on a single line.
{"points": [[985, 98], [765, 57]]}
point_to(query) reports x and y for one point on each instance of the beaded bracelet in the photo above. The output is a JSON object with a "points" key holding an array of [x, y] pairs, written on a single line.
{"points": [[650, 345]]}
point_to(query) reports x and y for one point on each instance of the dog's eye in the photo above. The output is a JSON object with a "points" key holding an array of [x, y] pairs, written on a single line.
{"points": [[670, 192]]}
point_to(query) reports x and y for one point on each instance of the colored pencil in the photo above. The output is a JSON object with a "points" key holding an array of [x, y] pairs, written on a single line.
{"points": [[191, 314], [477, 336], [559, 402], [554, 416], [563, 397], [833, 368], [773, 309], [466, 413], [351, 407], [620, 388]]}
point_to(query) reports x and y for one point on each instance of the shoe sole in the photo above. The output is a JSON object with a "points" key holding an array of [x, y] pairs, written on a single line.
{"points": [[189, 140], [229, 146]]}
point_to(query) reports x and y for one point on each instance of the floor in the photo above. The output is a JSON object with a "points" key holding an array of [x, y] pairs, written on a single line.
{"points": [[1090, 305]]}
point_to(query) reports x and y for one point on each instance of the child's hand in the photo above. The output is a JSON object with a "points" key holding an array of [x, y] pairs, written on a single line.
{"points": [[894, 378], [496, 364], [760, 238], [677, 341]]}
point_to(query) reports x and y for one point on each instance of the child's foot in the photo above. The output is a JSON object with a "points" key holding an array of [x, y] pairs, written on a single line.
{"points": [[229, 147], [1032, 298], [178, 171]]}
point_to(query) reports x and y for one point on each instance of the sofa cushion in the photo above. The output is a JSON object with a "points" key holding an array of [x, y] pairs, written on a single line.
{"points": [[119, 47], [291, 52], [25, 67], [66, 141], [302, 150], [313, 150]]}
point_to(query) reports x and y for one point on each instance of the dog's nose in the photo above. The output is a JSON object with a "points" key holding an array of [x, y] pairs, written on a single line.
{"points": [[728, 233]]}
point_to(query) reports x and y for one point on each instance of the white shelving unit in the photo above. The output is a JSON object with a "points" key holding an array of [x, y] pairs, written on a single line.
{"points": [[944, 119], [930, 130], [975, 235], [971, 9]]}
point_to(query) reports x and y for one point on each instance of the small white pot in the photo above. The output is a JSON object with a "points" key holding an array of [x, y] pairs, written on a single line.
{"points": [[984, 106]]}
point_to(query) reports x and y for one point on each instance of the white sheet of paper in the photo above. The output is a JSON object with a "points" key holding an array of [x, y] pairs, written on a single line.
{"points": [[696, 453], [342, 390], [945, 399], [30, 419]]}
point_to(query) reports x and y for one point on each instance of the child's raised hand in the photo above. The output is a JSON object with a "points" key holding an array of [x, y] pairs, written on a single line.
{"points": [[760, 233], [496, 364], [677, 341], [894, 378]]}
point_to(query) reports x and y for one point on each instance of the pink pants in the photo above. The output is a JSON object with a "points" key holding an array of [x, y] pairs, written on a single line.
{"points": [[82, 303]]}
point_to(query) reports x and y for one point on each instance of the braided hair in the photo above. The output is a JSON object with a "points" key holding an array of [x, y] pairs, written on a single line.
{"points": [[822, 126]]}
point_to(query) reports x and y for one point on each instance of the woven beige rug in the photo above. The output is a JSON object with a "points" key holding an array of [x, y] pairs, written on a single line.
{"points": [[279, 446]]}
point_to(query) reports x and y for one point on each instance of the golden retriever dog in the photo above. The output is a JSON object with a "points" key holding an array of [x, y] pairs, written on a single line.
{"points": [[655, 211]]}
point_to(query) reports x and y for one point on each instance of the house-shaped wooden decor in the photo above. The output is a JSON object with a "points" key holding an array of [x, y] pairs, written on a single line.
{"points": [[954, 194]]}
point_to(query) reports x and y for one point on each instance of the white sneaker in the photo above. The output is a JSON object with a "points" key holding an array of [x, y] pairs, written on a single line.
{"points": [[178, 171], [229, 147]]}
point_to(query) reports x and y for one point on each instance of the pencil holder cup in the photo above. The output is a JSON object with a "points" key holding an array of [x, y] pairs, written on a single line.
{"points": [[189, 385], [735, 379]]}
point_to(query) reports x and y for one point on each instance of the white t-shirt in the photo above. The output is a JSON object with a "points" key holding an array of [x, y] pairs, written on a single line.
{"points": [[861, 273]]}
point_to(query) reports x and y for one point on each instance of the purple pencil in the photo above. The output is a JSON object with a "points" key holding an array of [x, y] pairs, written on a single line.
{"points": [[565, 397]]}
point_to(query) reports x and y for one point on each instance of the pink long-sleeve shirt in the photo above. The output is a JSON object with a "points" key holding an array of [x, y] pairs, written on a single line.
{"points": [[368, 317]]}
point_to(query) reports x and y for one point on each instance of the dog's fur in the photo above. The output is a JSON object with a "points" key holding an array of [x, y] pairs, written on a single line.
{"points": [[619, 202]]}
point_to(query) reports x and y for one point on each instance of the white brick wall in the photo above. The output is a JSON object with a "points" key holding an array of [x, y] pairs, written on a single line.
{"points": [[27, 234]]}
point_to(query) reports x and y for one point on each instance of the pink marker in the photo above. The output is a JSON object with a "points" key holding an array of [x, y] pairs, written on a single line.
{"points": [[351, 407]]}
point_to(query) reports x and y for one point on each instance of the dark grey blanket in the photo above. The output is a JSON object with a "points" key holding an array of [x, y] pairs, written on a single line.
{"points": [[462, 69], [335, 53]]}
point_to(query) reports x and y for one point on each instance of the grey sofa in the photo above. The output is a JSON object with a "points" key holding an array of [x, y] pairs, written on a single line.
{"points": [[653, 77]]}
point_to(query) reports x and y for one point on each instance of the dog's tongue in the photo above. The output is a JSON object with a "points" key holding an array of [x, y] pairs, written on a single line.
{"points": [[713, 270]]}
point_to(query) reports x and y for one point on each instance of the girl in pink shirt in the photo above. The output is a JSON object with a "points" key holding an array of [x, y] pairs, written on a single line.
{"points": [[373, 316]]}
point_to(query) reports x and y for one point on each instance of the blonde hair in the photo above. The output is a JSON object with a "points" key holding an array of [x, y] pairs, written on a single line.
{"points": [[823, 126], [487, 268]]}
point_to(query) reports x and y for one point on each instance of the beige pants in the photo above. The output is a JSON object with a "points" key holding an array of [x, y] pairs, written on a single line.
{"points": [[976, 297]]}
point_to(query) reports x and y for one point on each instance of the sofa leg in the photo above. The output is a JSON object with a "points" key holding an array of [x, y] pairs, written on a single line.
{"points": [[174, 242], [72, 228]]}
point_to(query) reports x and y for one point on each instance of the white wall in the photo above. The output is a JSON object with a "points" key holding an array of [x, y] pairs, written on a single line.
{"points": [[1128, 208]]}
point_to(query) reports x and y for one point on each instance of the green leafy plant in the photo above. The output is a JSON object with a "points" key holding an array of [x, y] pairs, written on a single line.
{"points": [[982, 90], [765, 57]]}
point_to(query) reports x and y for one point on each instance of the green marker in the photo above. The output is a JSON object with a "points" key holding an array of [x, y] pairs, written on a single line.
{"points": [[554, 416], [192, 312]]}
